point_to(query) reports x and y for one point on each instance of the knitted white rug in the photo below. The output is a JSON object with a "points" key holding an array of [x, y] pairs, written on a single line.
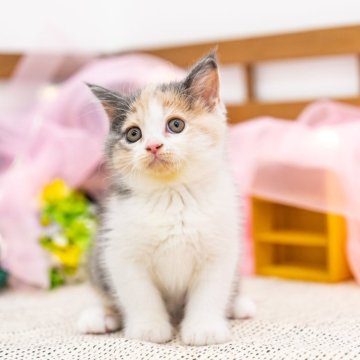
{"points": [[295, 321]]}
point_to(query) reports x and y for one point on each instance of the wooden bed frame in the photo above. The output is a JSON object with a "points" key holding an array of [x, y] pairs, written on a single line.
{"points": [[248, 52]]}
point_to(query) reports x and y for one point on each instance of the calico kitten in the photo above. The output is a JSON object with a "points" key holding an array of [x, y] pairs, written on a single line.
{"points": [[169, 240]]}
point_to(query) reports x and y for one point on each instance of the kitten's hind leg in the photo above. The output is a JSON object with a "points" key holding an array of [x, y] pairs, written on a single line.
{"points": [[241, 306], [100, 317]]}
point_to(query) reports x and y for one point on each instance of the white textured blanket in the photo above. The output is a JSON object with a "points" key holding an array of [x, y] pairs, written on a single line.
{"points": [[295, 321]]}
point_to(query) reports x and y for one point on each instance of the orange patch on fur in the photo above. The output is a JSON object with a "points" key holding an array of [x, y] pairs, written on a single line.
{"points": [[166, 177], [178, 103]]}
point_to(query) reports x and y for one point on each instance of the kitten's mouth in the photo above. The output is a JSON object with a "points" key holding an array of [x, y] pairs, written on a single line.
{"points": [[161, 164], [156, 161], [163, 168]]}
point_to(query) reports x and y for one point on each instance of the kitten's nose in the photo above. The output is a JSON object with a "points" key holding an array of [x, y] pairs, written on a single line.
{"points": [[154, 148]]}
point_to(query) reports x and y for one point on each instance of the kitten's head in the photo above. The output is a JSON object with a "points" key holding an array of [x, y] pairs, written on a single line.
{"points": [[169, 132]]}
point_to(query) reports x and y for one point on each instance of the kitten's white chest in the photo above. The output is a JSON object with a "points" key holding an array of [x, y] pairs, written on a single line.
{"points": [[172, 268], [177, 241], [171, 233]]}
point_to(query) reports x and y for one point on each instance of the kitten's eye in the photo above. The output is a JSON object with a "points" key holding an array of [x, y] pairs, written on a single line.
{"points": [[176, 125], [133, 134]]}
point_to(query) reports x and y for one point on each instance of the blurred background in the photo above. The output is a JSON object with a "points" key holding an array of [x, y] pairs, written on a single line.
{"points": [[276, 57]]}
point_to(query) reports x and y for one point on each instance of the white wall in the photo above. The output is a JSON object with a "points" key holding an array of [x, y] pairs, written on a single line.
{"points": [[115, 25], [110, 25], [332, 76]]}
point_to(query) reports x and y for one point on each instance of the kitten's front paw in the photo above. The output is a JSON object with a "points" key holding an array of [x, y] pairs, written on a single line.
{"points": [[152, 331], [207, 332], [95, 320]]}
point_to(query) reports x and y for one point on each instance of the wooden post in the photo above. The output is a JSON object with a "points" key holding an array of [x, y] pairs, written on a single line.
{"points": [[249, 82]]}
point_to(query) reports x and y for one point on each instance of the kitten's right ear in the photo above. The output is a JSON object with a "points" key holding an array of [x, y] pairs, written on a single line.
{"points": [[203, 80], [110, 100]]}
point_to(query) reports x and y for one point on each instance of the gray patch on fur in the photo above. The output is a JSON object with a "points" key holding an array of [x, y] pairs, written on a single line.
{"points": [[118, 188], [97, 273], [111, 141], [118, 107], [175, 86], [96, 269], [96, 266]]}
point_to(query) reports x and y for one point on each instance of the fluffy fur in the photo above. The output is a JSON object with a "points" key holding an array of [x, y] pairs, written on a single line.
{"points": [[167, 252]]}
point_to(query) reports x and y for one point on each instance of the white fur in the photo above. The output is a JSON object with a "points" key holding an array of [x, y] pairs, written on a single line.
{"points": [[95, 320], [187, 245], [174, 244], [243, 308]]}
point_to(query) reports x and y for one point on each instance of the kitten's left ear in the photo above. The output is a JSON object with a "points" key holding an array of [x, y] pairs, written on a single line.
{"points": [[111, 101], [203, 80]]}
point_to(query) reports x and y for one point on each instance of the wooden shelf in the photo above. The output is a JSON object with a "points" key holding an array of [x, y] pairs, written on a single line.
{"points": [[297, 243], [292, 238], [295, 271]]}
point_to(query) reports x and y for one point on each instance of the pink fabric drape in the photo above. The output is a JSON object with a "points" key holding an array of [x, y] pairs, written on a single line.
{"points": [[312, 163]]}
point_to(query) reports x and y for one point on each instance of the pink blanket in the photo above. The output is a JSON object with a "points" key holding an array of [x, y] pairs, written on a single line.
{"points": [[312, 163]]}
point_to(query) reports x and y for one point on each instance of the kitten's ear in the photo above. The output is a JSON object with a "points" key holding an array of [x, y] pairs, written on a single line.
{"points": [[203, 80], [110, 100]]}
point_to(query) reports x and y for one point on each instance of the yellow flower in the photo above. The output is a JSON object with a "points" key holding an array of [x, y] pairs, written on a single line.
{"points": [[55, 191], [69, 255]]}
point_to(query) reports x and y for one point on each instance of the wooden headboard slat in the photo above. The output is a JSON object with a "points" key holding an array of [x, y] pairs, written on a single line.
{"points": [[334, 41], [7, 64], [284, 110]]}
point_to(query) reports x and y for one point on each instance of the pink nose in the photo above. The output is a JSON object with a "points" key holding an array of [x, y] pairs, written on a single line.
{"points": [[154, 148]]}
